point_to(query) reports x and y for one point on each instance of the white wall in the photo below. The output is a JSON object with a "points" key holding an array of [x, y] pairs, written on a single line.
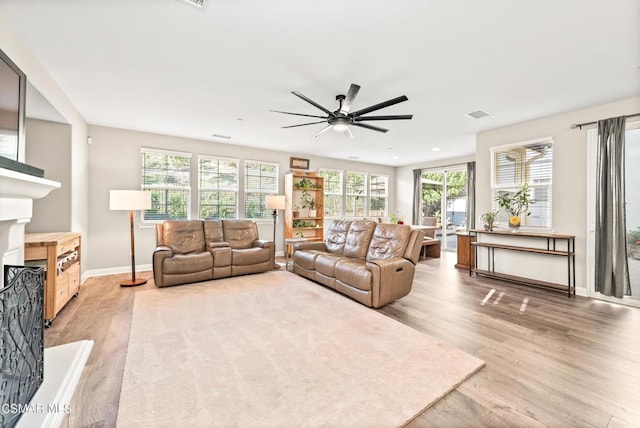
{"points": [[50, 148], [39, 77], [114, 163], [569, 181]]}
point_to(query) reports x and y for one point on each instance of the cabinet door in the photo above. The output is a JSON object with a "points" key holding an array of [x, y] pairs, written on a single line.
{"points": [[61, 292]]}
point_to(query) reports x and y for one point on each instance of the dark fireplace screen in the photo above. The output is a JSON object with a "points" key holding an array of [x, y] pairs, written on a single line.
{"points": [[21, 340]]}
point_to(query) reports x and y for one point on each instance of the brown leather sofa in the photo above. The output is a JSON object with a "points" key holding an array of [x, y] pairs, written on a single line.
{"points": [[373, 263], [199, 250]]}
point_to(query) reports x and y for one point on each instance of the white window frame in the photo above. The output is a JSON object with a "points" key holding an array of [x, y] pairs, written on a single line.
{"points": [[235, 189], [334, 194], [143, 151], [260, 191], [519, 181], [385, 196], [365, 196]]}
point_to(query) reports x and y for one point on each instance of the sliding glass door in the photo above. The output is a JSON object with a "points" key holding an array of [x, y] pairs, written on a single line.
{"points": [[632, 197], [444, 202]]}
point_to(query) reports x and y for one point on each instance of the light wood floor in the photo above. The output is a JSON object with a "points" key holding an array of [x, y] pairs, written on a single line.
{"points": [[551, 361]]}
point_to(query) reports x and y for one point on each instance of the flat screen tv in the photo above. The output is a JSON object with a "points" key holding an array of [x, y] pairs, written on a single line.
{"points": [[13, 84]]}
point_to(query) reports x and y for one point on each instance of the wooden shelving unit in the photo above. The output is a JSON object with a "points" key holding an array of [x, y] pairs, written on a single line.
{"points": [[550, 250], [300, 185], [60, 254]]}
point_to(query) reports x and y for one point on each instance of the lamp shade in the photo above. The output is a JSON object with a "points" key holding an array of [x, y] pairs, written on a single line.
{"points": [[130, 200], [275, 202]]}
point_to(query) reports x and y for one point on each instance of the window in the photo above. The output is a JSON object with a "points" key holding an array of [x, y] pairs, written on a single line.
{"points": [[378, 191], [218, 191], [356, 192], [166, 175], [332, 192], [531, 163], [260, 180]]}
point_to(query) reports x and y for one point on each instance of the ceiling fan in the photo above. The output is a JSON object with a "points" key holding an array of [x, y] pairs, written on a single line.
{"points": [[343, 117]]}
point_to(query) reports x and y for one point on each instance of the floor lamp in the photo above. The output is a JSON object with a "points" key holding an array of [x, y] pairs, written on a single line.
{"points": [[275, 203], [130, 200]]}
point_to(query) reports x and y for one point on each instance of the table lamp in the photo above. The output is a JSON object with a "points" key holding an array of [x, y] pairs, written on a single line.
{"points": [[131, 200]]}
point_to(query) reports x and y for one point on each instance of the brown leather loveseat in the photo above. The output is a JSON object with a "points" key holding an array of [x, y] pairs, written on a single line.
{"points": [[373, 263], [199, 250]]}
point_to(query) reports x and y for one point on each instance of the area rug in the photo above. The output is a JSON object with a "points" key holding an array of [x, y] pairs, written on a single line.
{"points": [[277, 350]]}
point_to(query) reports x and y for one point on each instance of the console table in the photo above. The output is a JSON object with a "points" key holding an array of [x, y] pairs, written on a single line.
{"points": [[550, 250]]}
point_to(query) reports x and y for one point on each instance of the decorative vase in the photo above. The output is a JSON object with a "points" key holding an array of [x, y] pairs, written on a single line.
{"points": [[296, 214], [313, 213], [488, 227], [514, 222]]}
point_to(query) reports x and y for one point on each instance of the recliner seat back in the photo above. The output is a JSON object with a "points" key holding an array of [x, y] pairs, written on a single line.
{"points": [[337, 236], [388, 241], [183, 237], [358, 238], [240, 234]]}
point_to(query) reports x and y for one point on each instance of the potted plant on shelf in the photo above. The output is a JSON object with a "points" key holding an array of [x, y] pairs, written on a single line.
{"points": [[515, 204], [296, 211], [489, 218], [309, 201]]}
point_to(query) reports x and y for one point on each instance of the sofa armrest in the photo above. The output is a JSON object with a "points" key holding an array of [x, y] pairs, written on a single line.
{"points": [[159, 254], [263, 243], [213, 245], [309, 246], [391, 265], [392, 279]]}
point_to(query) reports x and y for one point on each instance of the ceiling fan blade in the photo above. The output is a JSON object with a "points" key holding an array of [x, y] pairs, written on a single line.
{"points": [[348, 132], [298, 114], [390, 117], [304, 124], [323, 130], [373, 128], [351, 95], [313, 103], [379, 106]]}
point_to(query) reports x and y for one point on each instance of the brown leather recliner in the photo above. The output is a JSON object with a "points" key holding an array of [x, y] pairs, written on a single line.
{"points": [[373, 263], [200, 250]]}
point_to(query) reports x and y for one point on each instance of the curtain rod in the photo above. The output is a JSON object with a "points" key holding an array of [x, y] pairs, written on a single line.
{"points": [[580, 125]]}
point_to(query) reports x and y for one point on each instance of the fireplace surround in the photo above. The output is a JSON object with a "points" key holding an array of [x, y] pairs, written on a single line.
{"points": [[21, 340]]}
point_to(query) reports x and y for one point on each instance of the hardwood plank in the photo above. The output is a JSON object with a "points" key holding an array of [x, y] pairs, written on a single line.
{"points": [[557, 362]]}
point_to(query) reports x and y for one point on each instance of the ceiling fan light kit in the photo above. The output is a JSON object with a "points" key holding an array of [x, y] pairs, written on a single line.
{"points": [[341, 119]]}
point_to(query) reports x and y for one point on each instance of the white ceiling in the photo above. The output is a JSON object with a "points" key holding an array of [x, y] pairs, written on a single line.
{"points": [[168, 67]]}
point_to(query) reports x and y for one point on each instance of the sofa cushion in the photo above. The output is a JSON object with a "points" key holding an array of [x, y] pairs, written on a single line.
{"points": [[184, 237], [187, 263], [326, 263], [354, 273], [388, 241], [250, 256], [336, 236], [213, 233], [240, 233], [358, 238], [306, 258]]}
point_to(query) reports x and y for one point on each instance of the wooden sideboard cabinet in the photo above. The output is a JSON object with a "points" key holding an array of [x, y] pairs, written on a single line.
{"points": [[60, 254]]}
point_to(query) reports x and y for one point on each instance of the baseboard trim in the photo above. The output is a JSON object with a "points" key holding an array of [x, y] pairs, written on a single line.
{"points": [[115, 270]]}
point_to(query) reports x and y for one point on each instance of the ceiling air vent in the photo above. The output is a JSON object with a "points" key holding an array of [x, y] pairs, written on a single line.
{"points": [[478, 114], [197, 3], [226, 137]]}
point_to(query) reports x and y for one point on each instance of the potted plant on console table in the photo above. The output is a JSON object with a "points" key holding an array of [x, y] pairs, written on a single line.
{"points": [[516, 204]]}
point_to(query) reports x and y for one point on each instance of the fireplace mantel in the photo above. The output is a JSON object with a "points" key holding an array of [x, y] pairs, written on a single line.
{"points": [[15, 184], [17, 192]]}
